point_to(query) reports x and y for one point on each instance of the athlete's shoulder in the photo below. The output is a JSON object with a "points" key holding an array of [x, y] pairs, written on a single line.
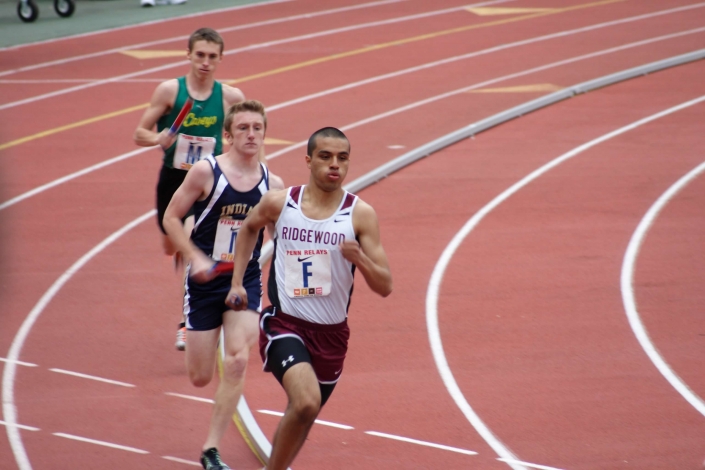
{"points": [[201, 168], [363, 213], [275, 182], [275, 196], [232, 95], [166, 91]]}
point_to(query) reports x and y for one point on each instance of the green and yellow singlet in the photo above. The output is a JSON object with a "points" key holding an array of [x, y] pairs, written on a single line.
{"points": [[201, 132]]}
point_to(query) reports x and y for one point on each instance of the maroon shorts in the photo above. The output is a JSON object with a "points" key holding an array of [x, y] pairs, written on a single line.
{"points": [[326, 344]]}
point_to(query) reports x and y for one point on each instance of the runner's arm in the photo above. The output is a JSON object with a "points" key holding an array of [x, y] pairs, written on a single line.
{"points": [[162, 101], [368, 255], [265, 212], [198, 178], [275, 182]]}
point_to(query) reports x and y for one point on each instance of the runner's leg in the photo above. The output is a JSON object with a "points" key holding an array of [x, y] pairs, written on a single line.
{"points": [[303, 391], [240, 332]]}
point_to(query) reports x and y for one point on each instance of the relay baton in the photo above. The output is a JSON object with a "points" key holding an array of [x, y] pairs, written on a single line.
{"points": [[220, 268], [182, 115]]}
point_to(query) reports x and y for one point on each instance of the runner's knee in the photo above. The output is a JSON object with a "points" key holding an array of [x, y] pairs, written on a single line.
{"points": [[306, 407], [234, 365], [199, 378]]}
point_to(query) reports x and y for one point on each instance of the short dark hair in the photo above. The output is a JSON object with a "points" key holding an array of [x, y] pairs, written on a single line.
{"points": [[242, 107], [205, 34], [324, 132]]}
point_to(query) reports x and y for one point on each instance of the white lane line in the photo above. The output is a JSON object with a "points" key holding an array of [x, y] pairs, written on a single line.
{"points": [[434, 285], [185, 38], [449, 94], [190, 397], [627, 285], [250, 47], [124, 156], [528, 464], [178, 460], [318, 421], [69, 177], [100, 443], [91, 377], [421, 443], [19, 363], [146, 23], [20, 426], [9, 409]]}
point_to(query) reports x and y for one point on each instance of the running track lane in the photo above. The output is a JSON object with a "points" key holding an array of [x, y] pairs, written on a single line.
{"points": [[336, 392], [250, 63], [282, 127], [532, 295]]}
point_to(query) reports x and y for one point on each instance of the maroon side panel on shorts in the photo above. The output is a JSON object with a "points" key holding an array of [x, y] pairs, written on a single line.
{"points": [[327, 344]]}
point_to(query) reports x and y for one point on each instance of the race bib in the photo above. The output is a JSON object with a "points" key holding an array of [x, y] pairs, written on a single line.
{"points": [[190, 149], [307, 273], [225, 235]]}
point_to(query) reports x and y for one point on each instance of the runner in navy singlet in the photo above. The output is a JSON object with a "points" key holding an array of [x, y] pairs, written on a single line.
{"points": [[323, 235], [222, 191]]}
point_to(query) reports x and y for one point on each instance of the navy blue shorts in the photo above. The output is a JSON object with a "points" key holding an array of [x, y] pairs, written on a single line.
{"points": [[204, 304]]}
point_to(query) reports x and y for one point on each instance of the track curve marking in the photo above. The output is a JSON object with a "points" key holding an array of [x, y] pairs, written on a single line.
{"points": [[627, 288], [303, 37], [185, 37], [119, 158], [434, 285], [8, 377], [498, 48]]}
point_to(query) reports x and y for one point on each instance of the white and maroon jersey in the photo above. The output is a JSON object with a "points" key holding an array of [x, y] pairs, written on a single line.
{"points": [[309, 278]]}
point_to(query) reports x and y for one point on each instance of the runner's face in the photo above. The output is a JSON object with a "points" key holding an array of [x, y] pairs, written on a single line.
{"points": [[329, 162], [246, 134], [205, 57]]}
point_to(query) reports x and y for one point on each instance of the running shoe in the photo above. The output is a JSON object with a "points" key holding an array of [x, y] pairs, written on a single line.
{"points": [[210, 459], [181, 337], [147, 3]]}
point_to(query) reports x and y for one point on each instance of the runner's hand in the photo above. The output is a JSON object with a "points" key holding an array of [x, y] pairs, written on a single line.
{"points": [[237, 298], [200, 270], [166, 139], [351, 251]]}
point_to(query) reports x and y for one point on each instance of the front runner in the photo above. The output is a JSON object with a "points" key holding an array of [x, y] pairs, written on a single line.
{"points": [[323, 233], [201, 131], [221, 190]]}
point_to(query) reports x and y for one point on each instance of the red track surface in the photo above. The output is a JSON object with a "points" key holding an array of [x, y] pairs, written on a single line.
{"points": [[530, 310]]}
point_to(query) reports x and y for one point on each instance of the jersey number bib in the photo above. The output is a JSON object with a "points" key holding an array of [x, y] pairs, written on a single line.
{"points": [[307, 273], [225, 235], [190, 149]]}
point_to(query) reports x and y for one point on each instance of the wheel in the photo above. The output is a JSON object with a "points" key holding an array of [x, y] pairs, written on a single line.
{"points": [[64, 8], [27, 11]]}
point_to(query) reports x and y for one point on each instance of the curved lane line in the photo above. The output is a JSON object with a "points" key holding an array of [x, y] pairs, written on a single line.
{"points": [[9, 410], [491, 82], [185, 38], [8, 377], [124, 156], [303, 37], [629, 300], [94, 119], [434, 284]]}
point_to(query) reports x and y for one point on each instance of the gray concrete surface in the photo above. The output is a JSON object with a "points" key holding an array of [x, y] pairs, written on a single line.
{"points": [[93, 15]]}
